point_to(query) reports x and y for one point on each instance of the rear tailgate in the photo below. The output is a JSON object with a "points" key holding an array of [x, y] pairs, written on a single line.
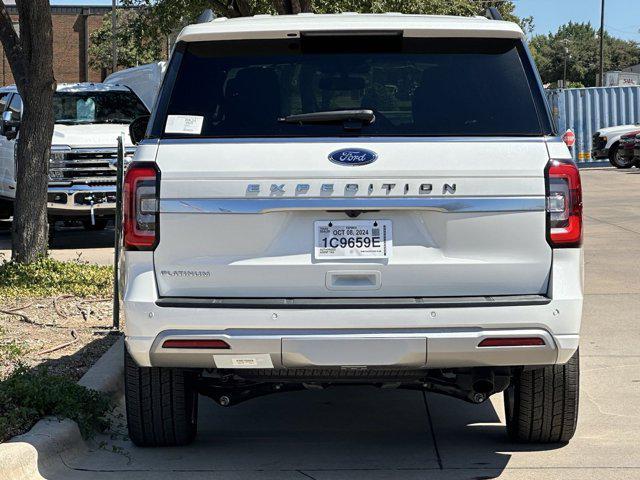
{"points": [[238, 218]]}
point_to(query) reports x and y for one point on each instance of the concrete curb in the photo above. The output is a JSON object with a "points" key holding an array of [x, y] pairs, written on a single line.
{"points": [[107, 374], [45, 446]]}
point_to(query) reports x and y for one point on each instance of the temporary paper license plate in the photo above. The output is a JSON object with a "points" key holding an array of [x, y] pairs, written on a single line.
{"points": [[353, 239]]}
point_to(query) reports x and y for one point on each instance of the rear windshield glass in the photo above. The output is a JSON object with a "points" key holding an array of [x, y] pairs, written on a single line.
{"points": [[74, 108], [414, 87]]}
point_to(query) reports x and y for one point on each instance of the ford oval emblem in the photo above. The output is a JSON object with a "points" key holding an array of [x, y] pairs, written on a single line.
{"points": [[353, 156]]}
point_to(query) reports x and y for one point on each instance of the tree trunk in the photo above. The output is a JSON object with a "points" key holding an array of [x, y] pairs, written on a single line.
{"points": [[306, 5], [281, 6], [243, 8], [30, 56], [30, 224], [290, 7], [232, 9]]}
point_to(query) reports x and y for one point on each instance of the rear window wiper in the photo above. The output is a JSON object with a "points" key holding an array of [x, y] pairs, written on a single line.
{"points": [[351, 119]]}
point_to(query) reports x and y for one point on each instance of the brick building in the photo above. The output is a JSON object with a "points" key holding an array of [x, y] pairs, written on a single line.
{"points": [[72, 26]]}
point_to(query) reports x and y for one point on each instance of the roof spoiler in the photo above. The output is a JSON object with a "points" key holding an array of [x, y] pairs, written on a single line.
{"points": [[206, 16], [492, 13]]}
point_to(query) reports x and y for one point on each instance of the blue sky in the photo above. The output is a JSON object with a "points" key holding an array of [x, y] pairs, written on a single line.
{"points": [[622, 16]]}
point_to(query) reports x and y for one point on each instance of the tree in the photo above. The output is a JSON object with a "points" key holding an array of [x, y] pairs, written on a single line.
{"points": [[166, 17], [134, 46], [581, 43], [30, 57]]}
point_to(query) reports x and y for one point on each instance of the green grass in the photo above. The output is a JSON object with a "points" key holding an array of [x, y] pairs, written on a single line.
{"points": [[49, 277], [10, 350], [28, 395]]}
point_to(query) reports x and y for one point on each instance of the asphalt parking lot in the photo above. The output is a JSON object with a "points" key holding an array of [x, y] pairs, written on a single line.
{"points": [[367, 433]]}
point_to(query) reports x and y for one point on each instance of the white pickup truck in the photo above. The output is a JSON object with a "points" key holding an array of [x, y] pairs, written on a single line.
{"points": [[143, 80], [331, 199], [89, 118], [606, 145]]}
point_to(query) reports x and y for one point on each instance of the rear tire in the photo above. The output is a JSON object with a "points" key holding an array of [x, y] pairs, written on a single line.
{"points": [[541, 404], [616, 160], [100, 224], [6, 209], [51, 232], [162, 405]]}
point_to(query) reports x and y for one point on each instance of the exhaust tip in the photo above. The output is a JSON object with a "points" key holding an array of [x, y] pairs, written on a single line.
{"points": [[483, 386]]}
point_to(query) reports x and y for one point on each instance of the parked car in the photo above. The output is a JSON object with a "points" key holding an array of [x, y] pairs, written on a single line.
{"points": [[329, 199], [82, 171], [626, 150], [144, 80], [636, 151], [606, 143]]}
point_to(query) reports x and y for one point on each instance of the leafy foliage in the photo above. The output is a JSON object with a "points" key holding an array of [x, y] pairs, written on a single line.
{"points": [[134, 47], [10, 349], [26, 396], [47, 277], [582, 44], [143, 30]]}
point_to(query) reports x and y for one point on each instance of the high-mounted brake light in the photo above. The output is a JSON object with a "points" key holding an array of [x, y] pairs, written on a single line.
{"points": [[140, 206], [564, 204]]}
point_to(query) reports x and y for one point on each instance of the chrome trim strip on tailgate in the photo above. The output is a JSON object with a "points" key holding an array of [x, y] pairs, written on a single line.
{"points": [[355, 303], [438, 204]]}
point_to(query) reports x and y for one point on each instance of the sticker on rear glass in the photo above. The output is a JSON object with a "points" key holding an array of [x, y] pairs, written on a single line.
{"points": [[185, 124]]}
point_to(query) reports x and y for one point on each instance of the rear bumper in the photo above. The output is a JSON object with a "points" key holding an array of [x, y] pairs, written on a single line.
{"points": [[380, 348], [385, 336]]}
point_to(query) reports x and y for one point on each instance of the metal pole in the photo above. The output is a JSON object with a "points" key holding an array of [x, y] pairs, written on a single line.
{"points": [[601, 77], [118, 229], [566, 54], [85, 40], [114, 42]]}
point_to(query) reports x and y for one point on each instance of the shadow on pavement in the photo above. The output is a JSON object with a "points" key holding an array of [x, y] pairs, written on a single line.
{"points": [[343, 433], [66, 237], [73, 238], [5, 236], [474, 437]]}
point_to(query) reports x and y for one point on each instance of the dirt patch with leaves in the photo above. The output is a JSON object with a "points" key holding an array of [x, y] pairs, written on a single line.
{"points": [[55, 322], [66, 334]]}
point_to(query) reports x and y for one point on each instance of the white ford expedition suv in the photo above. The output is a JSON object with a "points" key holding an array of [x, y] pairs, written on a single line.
{"points": [[331, 199]]}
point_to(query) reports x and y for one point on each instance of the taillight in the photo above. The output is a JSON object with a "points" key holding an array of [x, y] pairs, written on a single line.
{"points": [[141, 195], [564, 204]]}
